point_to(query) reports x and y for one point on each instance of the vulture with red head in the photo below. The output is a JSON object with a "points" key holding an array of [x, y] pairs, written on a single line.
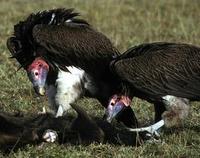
{"points": [[166, 74], [65, 58]]}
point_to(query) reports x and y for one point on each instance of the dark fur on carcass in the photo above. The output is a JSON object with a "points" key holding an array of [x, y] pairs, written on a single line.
{"points": [[18, 130]]}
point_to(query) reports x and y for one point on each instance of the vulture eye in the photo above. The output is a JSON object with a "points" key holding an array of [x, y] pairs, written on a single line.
{"points": [[112, 103], [36, 73]]}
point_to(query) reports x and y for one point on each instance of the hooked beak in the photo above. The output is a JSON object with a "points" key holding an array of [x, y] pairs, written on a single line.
{"points": [[38, 79], [113, 111], [40, 90]]}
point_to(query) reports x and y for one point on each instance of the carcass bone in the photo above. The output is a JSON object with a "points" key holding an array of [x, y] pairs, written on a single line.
{"points": [[150, 129]]}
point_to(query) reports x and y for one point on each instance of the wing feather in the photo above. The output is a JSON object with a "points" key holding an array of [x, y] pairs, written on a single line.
{"points": [[77, 45], [71, 44], [162, 69]]}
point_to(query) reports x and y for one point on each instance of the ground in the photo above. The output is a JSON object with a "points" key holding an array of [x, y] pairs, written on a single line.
{"points": [[126, 23]]}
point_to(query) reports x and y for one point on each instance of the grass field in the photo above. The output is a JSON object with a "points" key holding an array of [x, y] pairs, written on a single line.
{"points": [[126, 23]]}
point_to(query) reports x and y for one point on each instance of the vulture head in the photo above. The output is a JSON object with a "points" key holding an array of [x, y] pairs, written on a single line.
{"points": [[37, 73], [162, 73], [117, 104], [27, 51], [66, 57], [52, 40]]}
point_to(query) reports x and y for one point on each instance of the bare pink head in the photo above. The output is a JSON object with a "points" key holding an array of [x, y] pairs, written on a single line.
{"points": [[37, 72], [116, 104]]}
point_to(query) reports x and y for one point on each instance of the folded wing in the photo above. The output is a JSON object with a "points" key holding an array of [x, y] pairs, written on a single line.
{"points": [[160, 69]]}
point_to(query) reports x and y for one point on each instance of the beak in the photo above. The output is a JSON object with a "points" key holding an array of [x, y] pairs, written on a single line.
{"points": [[113, 111], [39, 81], [40, 90]]}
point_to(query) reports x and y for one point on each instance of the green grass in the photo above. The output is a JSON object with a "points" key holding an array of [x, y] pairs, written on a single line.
{"points": [[126, 23]]}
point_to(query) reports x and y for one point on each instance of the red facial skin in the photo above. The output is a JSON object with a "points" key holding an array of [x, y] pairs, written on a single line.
{"points": [[116, 104], [37, 73], [120, 98], [37, 64]]}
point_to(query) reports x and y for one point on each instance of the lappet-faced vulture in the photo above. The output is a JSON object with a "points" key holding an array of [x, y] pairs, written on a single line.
{"points": [[66, 58], [166, 74]]}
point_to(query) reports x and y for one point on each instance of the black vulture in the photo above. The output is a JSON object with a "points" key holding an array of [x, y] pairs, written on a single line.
{"points": [[166, 74], [66, 58]]}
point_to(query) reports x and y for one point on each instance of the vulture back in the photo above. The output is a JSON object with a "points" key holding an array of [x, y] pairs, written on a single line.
{"points": [[159, 69], [61, 40]]}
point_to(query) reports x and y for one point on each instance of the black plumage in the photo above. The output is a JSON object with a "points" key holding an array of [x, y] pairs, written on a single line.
{"points": [[153, 71], [60, 42], [149, 71], [61, 39], [160, 69]]}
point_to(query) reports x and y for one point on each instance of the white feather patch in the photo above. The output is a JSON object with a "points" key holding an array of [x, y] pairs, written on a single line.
{"points": [[69, 88]]}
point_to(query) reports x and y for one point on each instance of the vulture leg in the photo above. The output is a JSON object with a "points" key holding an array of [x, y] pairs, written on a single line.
{"points": [[67, 89], [60, 99], [177, 110], [159, 108], [159, 122]]}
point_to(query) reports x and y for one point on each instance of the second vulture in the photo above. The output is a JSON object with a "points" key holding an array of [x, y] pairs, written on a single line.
{"points": [[166, 74]]}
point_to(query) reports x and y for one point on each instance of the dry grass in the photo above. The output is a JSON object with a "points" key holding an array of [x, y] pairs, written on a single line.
{"points": [[126, 23]]}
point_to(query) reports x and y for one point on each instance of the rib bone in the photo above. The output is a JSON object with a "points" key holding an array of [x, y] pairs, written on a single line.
{"points": [[151, 129]]}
